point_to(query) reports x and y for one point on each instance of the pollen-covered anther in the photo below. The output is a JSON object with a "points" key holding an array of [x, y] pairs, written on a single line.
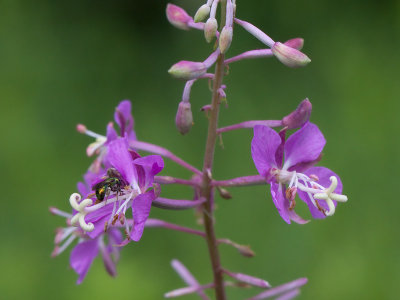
{"points": [[80, 206], [320, 208], [314, 177], [122, 219], [291, 195], [114, 220], [127, 234]]}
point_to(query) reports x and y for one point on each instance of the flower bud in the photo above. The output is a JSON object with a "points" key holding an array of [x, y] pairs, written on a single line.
{"points": [[178, 17], [187, 70], [225, 39], [289, 56], [246, 251], [202, 13], [224, 193], [184, 117], [210, 29], [298, 117], [296, 43]]}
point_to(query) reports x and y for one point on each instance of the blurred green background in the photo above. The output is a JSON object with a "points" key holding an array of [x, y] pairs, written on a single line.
{"points": [[69, 62]]}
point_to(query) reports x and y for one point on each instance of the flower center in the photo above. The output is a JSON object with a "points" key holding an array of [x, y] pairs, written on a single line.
{"points": [[121, 201], [309, 185]]}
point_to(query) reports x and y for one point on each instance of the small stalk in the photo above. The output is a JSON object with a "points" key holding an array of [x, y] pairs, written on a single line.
{"points": [[207, 190]]}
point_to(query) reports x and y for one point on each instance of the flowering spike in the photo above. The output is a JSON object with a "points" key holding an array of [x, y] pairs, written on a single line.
{"points": [[184, 117], [289, 56], [187, 70], [178, 17], [202, 13], [298, 117]]}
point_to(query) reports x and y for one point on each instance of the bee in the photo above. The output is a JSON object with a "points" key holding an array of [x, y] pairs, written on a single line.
{"points": [[112, 182]]}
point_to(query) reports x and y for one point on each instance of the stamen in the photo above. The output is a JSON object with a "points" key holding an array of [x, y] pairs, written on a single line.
{"points": [[122, 219], [314, 177], [56, 211], [320, 208], [294, 177], [112, 216], [123, 206], [58, 250], [114, 220], [95, 146], [83, 129], [292, 204], [62, 234]]}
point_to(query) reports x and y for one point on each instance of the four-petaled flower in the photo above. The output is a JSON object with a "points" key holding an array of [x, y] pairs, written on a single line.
{"points": [[319, 187]]}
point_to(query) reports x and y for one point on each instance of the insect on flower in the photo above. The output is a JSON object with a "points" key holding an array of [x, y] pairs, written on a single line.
{"points": [[112, 182]]}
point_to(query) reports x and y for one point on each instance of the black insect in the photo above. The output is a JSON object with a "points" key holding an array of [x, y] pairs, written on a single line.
{"points": [[112, 182]]}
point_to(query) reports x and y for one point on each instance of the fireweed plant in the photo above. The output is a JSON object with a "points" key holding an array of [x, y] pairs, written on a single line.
{"points": [[120, 186]]}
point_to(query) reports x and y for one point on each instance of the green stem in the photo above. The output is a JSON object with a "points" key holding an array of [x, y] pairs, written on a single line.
{"points": [[207, 190]]}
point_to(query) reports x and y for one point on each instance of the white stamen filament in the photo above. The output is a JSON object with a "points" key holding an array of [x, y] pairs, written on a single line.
{"points": [[124, 205], [60, 213], [293, 179], [65, 233], [93, 147], [65, 245], [94, 134], [113, 213]]}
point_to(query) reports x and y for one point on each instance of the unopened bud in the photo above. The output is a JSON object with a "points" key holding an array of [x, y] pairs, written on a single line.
{"points": [[210, 29], [298, 117], [296, 43], [289, 56], [225, 39], [224, 193], [184, 117], [178, 16], [157, 188], [206, 108], [187, 70], [246, 251], [202, 13]]}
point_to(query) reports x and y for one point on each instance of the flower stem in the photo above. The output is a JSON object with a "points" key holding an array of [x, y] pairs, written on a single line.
{"points": [[207, 190]]}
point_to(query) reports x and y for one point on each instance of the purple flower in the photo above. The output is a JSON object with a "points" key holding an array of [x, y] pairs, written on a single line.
{"points": [[319, 187], [137, 173], [123, 117], [86, 250]]}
